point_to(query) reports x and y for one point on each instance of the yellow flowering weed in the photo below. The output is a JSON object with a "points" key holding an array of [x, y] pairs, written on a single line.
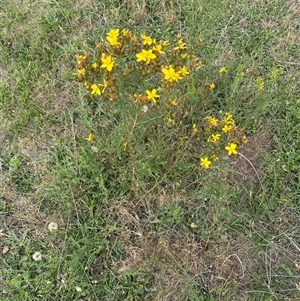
{"points": [[112, 37], [204, 162], [107, 62], [90, 137], [170, 74], [145, 56], [222, 70], [231, 149], [129, 63], [146, 39], [95, 89], [151, 95]]}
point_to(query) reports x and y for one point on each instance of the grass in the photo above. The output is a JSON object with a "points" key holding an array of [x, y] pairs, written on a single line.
{"points": [[149, 223]]}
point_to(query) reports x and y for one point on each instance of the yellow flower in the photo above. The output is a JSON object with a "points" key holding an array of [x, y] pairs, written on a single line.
{"points": [[104, 85], [146, 40], [107, 62], [126, 33], [183, 71], [170, 121], [231, 149], [112, 37], [228, 118], [212, 121], [125, 144], [90, 137], [214, 138], [87, 85], [204, 162], [222, 70], [215, 157], [151, 95], [80, 59], [180, 45], [95, 89], [158, 48], [212, 86], [170, 74], [80, 73], [183, 55], [228, 123], [244, 139], [146, 56], [194, 128], [139, 97], [173, 102], [226, 128], [94, 65]]}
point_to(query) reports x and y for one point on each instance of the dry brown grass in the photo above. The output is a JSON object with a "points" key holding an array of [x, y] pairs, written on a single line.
{"points": [[247, 170], [176, 257], [219, 265]]}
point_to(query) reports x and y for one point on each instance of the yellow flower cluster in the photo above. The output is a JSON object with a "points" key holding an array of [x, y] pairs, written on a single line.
{"points": [[171, 75], [146, 56], [228, 123], [222, 135], [154, 64]]}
